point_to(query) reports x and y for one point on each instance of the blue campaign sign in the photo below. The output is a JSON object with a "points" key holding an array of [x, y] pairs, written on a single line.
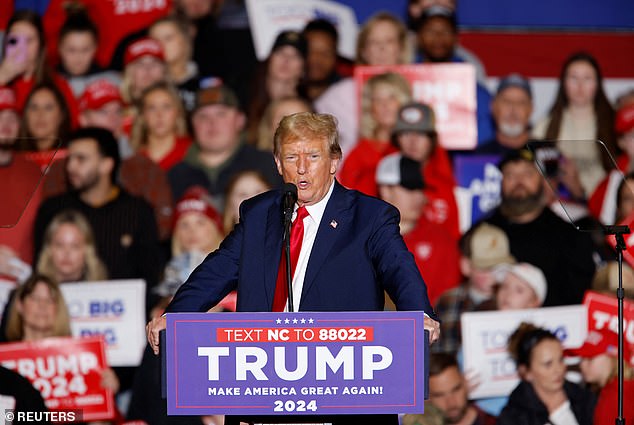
{"points": [[479, 180], [301, 363]]}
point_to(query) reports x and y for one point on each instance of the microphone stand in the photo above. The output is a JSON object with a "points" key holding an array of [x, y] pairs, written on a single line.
{"points": [[618, 232], [288, 215]]}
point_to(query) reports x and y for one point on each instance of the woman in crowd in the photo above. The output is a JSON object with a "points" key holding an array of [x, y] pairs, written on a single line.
{"points": [[580, 115], [279, 76], [197, 232], [45, 125], [599, 368], [382, 40], [520, 286], [144, 65], [543, 394], [175, 36], [274, 113], [24, 63], [78, 43], [606, 280], [197, 224], [243, 186], [38, 311], [382, 97], [517, 286], [603, 201], [69, 253], [160, 130]]}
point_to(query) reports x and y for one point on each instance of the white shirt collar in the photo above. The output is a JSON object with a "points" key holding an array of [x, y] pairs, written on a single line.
{"points": [[316, 211]]}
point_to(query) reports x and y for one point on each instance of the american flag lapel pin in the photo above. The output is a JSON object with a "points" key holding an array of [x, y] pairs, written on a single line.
{"points": [[333, 224]]}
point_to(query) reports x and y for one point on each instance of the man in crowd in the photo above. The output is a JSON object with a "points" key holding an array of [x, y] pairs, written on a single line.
{"points": [[101, 106], [350, 252], [123, 224], [511, 109], [448, 392], [219, 151], [437, 39], [482, 248], [540, 237]]}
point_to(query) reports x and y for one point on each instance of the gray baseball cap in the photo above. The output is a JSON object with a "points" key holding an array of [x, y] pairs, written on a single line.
{"points": [[416, 117]]}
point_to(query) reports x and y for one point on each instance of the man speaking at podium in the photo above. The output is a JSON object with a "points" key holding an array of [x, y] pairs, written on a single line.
{"points": [[345, 249]]}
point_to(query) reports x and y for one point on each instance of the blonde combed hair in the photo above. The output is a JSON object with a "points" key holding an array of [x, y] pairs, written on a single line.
{"points": [[94, 267], [398, 85], [308, 125], [139, 135]]}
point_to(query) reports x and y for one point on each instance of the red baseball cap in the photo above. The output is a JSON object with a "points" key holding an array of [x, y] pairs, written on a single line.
{"points": [[601, 342], [7, 99], [98, 93], [624, 122], [197, 199], [143, 47]]}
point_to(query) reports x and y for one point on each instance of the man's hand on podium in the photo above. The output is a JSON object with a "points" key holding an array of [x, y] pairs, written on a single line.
{"points": [[430, 324], [155, 326]]}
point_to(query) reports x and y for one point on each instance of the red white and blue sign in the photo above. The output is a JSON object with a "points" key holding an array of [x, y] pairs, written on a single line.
{"points": [[325, 363]]}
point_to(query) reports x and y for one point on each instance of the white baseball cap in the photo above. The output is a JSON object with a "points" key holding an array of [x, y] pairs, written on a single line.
{"points": [[530, 274]]}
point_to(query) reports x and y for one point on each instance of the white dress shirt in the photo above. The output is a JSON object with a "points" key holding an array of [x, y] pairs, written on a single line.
{"points": [[311, 224]]}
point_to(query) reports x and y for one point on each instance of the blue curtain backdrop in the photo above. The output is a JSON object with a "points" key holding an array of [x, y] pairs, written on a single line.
{"points": [[550, 14]]}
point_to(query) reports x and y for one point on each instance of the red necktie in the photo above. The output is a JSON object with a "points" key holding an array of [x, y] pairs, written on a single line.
{"points": [[297, 235]]}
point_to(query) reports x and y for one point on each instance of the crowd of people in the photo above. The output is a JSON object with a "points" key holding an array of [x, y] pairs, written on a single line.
{"points": [[126, 150]]}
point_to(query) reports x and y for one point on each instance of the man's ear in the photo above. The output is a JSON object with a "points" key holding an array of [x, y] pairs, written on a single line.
{"points": [[334, 165], [106, 166]]}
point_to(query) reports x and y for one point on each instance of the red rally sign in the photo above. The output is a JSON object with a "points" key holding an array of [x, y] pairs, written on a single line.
{"points": [[449, 88], [602, 317], [66, 371]]}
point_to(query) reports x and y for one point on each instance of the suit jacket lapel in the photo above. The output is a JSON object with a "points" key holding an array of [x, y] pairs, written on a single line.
{"points": [[327, 234], [272, 249]]}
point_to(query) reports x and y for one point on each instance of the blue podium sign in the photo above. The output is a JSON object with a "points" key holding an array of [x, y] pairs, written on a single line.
{"points": [[296, 363]]}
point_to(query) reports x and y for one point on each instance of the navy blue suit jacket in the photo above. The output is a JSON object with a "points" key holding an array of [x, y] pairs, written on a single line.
{"points": [[350, 265]]}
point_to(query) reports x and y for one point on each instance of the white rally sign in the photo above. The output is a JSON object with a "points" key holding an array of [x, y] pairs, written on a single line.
{"points": [[485, 336], [268, 18], [114, 309]]}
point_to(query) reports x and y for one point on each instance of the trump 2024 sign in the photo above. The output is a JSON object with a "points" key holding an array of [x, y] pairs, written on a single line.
{"points": [[296, 363]]}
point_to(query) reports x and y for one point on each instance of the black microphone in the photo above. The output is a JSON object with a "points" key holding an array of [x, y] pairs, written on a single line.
{"points": [[289, 192]]}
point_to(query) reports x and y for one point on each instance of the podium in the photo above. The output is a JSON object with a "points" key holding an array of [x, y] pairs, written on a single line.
{"points": [[303, 363]]}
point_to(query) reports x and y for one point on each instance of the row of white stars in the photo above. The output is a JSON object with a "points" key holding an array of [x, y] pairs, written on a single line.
{"points": [[294, 321]]}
